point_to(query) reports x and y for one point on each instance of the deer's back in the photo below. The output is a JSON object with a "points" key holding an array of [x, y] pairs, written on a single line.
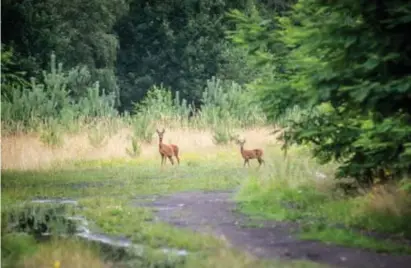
{"points": [[258, 152], [175, 147], [166, 149], [250, 154]]}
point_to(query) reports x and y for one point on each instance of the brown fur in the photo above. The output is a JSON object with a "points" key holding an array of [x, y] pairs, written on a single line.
{"points": [[167, 150], [251, 154]]}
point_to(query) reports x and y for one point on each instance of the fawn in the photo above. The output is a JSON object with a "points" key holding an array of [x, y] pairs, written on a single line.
{"points": [[251, 154], [167, 150]]}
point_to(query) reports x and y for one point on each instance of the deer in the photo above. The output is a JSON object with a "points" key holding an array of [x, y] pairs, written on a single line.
{"points": [[167, 150], [250, 154]]}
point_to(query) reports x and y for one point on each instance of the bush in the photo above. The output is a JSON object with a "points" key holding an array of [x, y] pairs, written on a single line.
{"points": [[344, 65], [51, 102], [15, 246]]}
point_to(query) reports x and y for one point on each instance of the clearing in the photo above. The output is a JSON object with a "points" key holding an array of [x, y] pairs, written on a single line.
{"points": [[191, 206]]}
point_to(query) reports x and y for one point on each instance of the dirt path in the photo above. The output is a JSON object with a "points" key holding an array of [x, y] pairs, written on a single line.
{"points": [[215, 212]]}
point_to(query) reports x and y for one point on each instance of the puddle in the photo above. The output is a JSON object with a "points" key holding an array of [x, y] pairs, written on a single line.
{"points": [[126, 243], [101, 238], [55, 201], [164, 208], [85, 233], [82, 230], [178, 252], [44, 218]]}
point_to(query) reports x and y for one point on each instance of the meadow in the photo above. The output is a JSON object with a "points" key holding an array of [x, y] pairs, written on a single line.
{"points": [[87, 152], [106, 177], [330, 81]]}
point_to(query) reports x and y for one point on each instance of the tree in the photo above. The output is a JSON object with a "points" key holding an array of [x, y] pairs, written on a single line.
{"points": [[179, 43], [11, 77], [348, 63], [79, 32]]}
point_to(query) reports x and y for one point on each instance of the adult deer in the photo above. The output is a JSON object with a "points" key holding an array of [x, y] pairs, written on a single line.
{"points": [[167, 150], [250, 154]]}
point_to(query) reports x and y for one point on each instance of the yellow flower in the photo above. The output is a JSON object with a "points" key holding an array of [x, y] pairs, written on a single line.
{"points": [[56, 264]]}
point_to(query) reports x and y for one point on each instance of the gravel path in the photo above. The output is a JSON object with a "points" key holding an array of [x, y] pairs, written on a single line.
{"points": [[214, 212]]}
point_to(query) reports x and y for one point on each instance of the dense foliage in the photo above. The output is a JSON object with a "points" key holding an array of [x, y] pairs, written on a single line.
{"points": [[127, 45], [80, 33], [348, 64], [26, 106], [178, 43]]}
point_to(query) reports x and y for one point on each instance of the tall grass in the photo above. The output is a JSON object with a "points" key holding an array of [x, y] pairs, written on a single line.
{"points": [[55, 107], [296, 190]]}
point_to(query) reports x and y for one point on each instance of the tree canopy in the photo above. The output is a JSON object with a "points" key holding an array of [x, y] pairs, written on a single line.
{"points": [[348, 64]]}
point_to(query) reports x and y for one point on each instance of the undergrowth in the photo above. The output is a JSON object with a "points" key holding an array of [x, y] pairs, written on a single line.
{"points": [[46, 108], [313, 199]]}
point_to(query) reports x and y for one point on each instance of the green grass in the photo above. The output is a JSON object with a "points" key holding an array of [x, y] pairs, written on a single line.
{"points": [[290, 193], [335, 212], [353, 239], [15, 246], [105, 189], [115, 216], [123, 177]]}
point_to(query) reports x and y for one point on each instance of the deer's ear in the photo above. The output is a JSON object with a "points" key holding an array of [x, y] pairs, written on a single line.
{"points": [[164, 130], [157, 130]]}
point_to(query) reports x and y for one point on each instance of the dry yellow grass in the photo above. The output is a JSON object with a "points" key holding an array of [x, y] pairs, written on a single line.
{"points": [[387, 199], [28, 152], [64, 253]]}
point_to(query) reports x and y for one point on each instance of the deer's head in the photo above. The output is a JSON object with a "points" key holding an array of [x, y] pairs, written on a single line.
{"points": [[241, 142], [161, 134]]}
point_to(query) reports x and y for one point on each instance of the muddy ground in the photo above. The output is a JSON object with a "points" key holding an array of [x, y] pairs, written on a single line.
{"points": [[215, 213]]}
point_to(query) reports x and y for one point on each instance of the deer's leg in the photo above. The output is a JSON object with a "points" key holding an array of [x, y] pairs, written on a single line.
{"points": [[260, 161], [162, 159], [178, 158], [171, 159], [176, 155], [245, 162]]}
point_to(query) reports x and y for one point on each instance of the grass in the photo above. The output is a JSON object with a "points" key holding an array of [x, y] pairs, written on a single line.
{"points": [[353, 239], [283, 189], [65, 253], [105, 189], [117, 217], [126, 178], [25, 152], [16, 246], [21, 250], [288, 194]]}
